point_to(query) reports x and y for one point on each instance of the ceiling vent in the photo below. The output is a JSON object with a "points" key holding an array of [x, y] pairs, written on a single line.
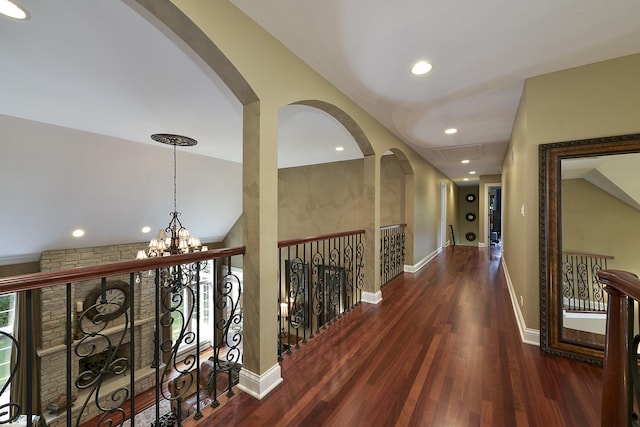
{"points": [[465, 152]]}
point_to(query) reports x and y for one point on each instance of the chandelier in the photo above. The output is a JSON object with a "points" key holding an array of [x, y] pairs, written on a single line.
{"points": [[175, 239]]}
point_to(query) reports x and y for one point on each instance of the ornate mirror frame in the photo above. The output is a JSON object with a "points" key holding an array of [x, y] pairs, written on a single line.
{"points": [[549, 166]]}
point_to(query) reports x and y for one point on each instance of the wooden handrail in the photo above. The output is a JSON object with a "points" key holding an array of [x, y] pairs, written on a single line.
{"points": [[386, 227], [292, 242], [588, 255], [624, 281], [616, 378], [34, 281]]}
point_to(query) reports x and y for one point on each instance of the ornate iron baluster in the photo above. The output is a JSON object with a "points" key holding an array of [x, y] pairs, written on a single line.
{"points": [[348, 274], [402, 252], [92, 325], [317, 288], [599, 296], [392, 255], [582, 269], [10, 411], [360, 267], [333, 285], [228, 354], [568, 288], [176, 294], [296, 295]]}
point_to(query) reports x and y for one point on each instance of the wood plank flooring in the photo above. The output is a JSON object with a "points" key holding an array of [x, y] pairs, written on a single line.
{"points": [[441, 349]]}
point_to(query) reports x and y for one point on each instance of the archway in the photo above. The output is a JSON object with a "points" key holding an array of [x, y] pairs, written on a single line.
{"points": [[396, 212]]}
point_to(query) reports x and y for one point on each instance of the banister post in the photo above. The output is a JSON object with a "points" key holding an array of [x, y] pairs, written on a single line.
{"points": [[615, 373]]}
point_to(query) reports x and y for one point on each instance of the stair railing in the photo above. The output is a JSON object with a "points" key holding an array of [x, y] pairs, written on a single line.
{"points": [[320, 279], [392, 239], [124, 330], [581, 289]]}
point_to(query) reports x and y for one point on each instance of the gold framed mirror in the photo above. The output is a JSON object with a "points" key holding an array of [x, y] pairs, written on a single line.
{"points": [[589, 212]]}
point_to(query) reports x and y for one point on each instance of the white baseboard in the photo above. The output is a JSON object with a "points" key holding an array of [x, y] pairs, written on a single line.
{"points": [[371, 297], [527, 335], [482, 245], [422, 263], [259, 386]]}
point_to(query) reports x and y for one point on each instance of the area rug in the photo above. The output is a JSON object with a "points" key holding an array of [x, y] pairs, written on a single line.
{"points": [[147, 417]]}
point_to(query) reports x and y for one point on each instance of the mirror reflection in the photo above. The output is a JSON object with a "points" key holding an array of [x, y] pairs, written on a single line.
{"points": [[589, 211], [599, 221]]}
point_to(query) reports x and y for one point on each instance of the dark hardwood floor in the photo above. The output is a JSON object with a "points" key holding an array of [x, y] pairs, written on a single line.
{"points": [[441, 349]]}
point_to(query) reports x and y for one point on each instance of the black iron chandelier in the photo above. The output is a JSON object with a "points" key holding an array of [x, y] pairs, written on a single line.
{"points": [[175, 238]]}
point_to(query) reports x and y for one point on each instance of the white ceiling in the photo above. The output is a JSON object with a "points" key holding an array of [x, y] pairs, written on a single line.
{"points": [[615, 174], [102, 68], [481, 53]]}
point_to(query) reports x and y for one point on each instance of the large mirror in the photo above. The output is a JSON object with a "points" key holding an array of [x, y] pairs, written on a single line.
{"points": [[589, 220]]}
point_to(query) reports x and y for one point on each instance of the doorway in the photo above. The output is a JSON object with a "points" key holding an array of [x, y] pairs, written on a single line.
{"points": [[443, 216], [493, 212]]}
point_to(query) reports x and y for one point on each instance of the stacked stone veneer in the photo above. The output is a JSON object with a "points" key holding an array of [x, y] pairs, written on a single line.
{"points": [[51, 347]]}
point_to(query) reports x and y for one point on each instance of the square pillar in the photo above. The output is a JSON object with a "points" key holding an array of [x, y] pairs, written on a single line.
{"points": [[261, 371]]}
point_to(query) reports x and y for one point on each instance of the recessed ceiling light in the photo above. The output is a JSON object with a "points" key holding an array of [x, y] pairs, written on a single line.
{"points": [[12, 10], [451, 131], [339, 148], [78, 232], [421, 67], [146, 229], [465, 161], [472, 173], [466, 179]]}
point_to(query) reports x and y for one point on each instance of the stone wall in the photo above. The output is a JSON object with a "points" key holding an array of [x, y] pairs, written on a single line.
{"points": [[53, 302]]}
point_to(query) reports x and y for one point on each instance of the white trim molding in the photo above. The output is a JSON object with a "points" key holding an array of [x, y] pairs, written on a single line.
{"points": [[527, 335], [259, 386], [371, 297], [422, 263]]}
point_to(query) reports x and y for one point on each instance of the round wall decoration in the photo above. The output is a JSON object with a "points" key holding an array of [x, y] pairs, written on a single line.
{"points": [[115, 303], [470, 197], [470, 236], [470, 216]]}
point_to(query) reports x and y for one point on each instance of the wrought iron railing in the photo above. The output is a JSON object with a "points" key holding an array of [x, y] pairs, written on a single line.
{"points": [[392, 240], [320, 279], [581, 289], [621, 376], [146, 324]]}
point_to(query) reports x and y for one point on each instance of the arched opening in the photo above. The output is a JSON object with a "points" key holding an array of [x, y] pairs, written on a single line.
{"points": [[320, 189], [396, 214]]}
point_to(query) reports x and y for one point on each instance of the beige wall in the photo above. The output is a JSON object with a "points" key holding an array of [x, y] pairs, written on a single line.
{"points": [[320, 199], [392, 195], [327, 198], [594, 100], [452, 212], [18, 269], [427, 210], [595, 222]]}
